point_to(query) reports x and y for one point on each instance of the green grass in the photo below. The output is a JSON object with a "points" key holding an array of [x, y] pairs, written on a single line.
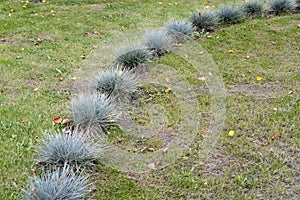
{"points": [[41, 51]]}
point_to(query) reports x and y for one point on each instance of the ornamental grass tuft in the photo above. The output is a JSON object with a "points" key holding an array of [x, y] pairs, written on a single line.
{"points": [[60, 184], [253, 8], [158, 42], [117, 84], [92, 112], [76, 150], [205, 21], [278, 7], [229, 14], [132, 57], [181, 31]]}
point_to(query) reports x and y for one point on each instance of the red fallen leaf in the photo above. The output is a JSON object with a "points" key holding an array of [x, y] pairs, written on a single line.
{"points": [[57, 120], [202, 136], [274, 136], [97, 33], [23, 121], [151, 166], [274, 43]]}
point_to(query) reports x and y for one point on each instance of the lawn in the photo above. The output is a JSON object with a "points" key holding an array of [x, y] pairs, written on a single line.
{"points": [[44, 45]]}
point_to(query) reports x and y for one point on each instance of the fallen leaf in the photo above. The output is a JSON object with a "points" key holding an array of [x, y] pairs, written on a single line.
{"points": [[165, 149], [57, 120], [259, 78], [151, 149], [230, 51], [66, 122], [144, 148], [120, 72], [120, 140], [274, 43], [291, 92], [33, 171], [23, 121], [200, 52], [231, 133], [202, 78], [205, 2], [82, 56], [73, 78], [168, 90], [151, 166], [97, 33], [36, 89], [179, 45], [168, 80], [274, 136]]}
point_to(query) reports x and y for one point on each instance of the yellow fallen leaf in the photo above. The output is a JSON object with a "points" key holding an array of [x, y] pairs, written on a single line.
{"points": [[168, 80], [159, 2], [179, 44], [259, 78], [168, 90], [120, 73], [230, 51], [231, 133], [200, 52], [205, 2], [73, 78]]}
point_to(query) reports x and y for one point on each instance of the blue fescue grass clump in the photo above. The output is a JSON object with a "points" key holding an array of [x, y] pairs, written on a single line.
{"points": [[60, 149], [117, 84], [63, 183], [297, 5], [205, 21], [132, 57], [158, 42], [253, 8], [278, 7], [229, 14], [92, 112], [181, 31]]}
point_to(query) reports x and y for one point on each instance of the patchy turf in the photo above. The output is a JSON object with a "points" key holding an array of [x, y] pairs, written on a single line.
{"points": [[43, 45]]}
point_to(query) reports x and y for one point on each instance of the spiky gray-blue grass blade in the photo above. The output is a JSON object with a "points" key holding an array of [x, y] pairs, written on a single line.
{"points": [[92, 112], [58, 149], [60, 184]]}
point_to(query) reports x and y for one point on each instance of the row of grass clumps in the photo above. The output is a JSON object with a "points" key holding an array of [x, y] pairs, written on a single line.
{"points": [[209, 21], [64, 158]]}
